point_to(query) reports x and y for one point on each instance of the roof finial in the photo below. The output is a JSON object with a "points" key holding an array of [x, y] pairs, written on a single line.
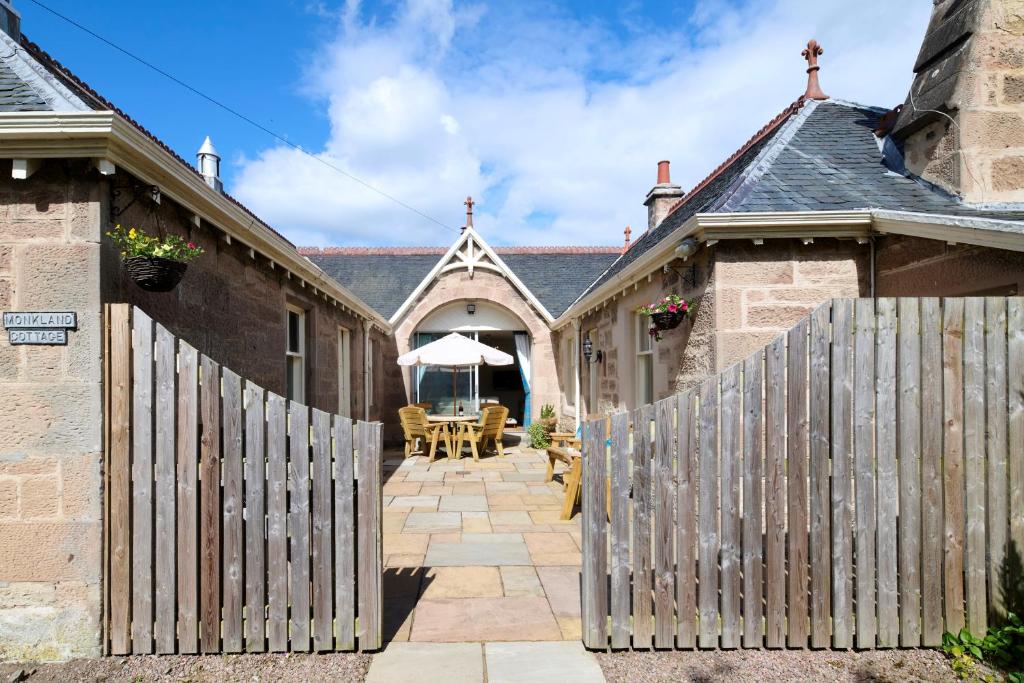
{"points": [[811, 54], [469, 211], [627, 232]]}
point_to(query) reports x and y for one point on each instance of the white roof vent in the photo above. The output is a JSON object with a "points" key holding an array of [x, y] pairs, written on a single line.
{"points": [[208, 162]]}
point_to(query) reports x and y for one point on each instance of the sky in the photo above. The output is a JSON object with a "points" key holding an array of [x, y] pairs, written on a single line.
{"points": [[552, 115]]}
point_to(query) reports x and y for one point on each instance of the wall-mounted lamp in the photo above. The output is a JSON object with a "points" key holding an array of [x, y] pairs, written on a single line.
{"points": [[686, 248], [471, 309], [588, 349]]}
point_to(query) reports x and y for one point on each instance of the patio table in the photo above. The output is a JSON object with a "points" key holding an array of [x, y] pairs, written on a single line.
{"points": [[448, 421]]}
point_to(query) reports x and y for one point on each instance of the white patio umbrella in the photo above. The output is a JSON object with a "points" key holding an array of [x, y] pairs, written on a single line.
{"points": [[456, 352]]}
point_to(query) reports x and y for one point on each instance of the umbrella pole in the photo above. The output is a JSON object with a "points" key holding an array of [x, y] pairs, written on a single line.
{"points": [[455, 391]]}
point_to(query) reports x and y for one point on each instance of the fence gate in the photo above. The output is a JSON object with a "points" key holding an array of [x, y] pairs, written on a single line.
{"points": [[234, 520], [857, 483]]}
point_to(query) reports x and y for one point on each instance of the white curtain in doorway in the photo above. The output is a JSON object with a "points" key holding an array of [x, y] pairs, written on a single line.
{"points": [[523, 354]]}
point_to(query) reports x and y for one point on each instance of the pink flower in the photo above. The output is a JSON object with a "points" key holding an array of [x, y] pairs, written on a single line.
{"points": [[191, 245], [683, 306], [672, 308]]}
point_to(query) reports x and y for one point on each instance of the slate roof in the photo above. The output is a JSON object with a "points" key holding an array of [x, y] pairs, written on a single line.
{"points": [[814, 156], [16, 95], [384, 278]]}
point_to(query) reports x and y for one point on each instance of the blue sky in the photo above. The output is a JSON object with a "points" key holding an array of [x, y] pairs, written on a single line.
{"points": [[552, 114]]}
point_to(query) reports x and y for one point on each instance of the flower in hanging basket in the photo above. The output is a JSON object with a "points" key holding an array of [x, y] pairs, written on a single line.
{"points": [[665, 314], [154, 264]]}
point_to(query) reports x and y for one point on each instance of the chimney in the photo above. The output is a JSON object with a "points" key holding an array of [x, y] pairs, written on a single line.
{"points": [[962, 125], [10, 20], [208, 162], [662, 197]]}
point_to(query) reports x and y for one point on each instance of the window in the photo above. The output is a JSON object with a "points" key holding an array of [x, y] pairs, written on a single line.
{"points": [[344, 373], [296, 354], [644, 370], [569, 371]]}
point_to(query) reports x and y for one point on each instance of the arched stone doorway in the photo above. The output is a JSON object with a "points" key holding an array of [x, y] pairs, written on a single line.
{"points": [[488, 323]]}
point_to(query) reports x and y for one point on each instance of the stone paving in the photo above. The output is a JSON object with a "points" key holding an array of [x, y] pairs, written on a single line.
{"points": [[475, 551]]}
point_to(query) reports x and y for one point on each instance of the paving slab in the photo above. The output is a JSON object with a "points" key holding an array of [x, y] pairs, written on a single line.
{"points": [[415, 502], [484, 619], [476, 554], [432, 522], [565, 662], [463, 503], [562, 586], [521, 582], [462, 582], [428, 663], [491, 538]]}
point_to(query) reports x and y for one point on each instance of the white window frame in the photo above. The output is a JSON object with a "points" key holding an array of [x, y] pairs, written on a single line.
{"points": [[641, 332], [299, 355], [344, 371]]}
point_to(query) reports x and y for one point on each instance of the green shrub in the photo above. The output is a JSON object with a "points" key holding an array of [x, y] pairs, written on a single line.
{"points": [[1002, 647], [539, 437], [547, 411]]}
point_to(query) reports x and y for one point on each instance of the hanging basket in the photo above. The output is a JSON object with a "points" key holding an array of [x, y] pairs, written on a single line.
{"points": [[155, 274], [667, 320]]}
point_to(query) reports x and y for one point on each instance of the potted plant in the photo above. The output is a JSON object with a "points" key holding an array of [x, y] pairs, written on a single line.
{"points": [[548, 418], [154, 264], [666, 314]]}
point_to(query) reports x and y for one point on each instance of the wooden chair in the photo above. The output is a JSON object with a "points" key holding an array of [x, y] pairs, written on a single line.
{"points": [[415, 426], [490, 427], [427, 406]]}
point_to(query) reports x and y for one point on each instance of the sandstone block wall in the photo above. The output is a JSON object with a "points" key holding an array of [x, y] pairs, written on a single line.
{"points": [[50, 417], [911, 266]]}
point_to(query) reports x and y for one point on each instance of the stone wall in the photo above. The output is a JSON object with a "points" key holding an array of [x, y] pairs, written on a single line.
{"points": [[912, 266], [50, 417], [232, 306], [761, 291], [484, 286]]}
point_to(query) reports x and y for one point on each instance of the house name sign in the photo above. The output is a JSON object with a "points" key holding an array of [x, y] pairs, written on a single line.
{"points": [[39, 328]]}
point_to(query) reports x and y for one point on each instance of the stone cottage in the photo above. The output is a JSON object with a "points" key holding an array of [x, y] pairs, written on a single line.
{"points": [[829, 199]]}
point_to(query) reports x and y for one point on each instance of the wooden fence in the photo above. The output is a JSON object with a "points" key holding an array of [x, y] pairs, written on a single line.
{"points": [[235, 520], [858, 483]]}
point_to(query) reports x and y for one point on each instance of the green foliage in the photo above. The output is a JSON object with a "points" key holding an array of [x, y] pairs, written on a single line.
{"points": [[539, 437], [1002, 647], [547, 411], [134, 242]]}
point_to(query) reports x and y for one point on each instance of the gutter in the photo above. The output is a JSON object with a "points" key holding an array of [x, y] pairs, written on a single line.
{"points": [[106, 136]]}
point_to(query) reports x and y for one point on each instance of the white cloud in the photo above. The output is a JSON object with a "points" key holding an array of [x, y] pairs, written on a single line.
{"points": [[554, 123]]}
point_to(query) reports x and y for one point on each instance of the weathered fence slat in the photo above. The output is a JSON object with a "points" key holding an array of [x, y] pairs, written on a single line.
{"points": [[594, 606], [888, 625], [120, 472], [842, 452], [1015, 420], [953, 462], [619, 531], [209, 515], [164, 631], [368, 538], [686, 520], [820, 506], [298, 525], [775, 494], [796, 500], [323, 589], [142, 483], [730, 480], [931, 473], [753, 445], [277, 524], [188, 499], [864, 467], [974, 462], [233, 530], [908, 453], [708, 515], [344, 536], [255, 518], [664, 498], [996, 424], [642, 570]]}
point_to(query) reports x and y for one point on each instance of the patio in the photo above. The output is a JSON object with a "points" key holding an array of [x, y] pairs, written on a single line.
{"points": [[475, 551]]}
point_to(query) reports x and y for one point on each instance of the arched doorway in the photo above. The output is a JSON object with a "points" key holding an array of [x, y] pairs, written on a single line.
{"points": [[489, 324]]}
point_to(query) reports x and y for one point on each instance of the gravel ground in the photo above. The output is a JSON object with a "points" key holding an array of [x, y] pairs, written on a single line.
{"points": [[270, 668], [775, 666]]}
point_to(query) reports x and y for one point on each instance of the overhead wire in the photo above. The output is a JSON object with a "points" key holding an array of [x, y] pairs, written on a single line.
{"points": [[234, 112]]}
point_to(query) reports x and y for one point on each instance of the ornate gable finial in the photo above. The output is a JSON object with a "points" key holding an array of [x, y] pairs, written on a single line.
{"points": [[811, 54], [469, 211], [626, 233]]}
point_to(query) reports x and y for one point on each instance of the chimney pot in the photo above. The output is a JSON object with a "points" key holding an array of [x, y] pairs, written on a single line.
{"points": [[10, 20], [208, 162], [663, 174]]}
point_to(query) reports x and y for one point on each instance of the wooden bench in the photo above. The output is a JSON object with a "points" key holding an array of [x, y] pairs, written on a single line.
{"points": [[572, 478]]}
